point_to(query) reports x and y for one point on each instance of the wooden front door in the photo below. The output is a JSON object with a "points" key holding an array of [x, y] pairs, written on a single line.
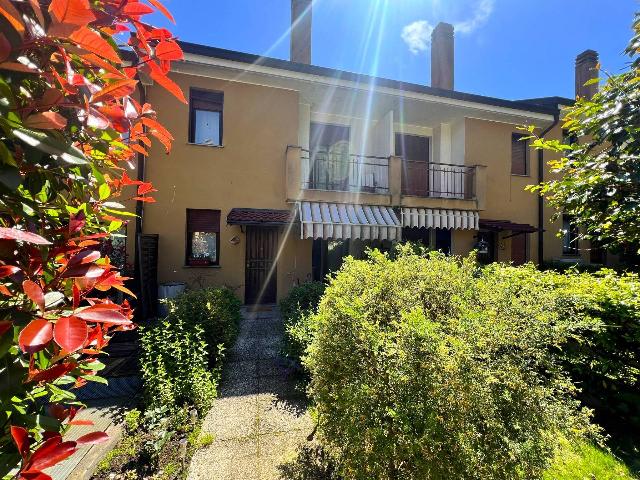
{"points": [[260, 268], [414, 150]]}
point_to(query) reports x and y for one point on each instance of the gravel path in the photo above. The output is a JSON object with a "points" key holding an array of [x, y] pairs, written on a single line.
{"points": [[259, 417]]}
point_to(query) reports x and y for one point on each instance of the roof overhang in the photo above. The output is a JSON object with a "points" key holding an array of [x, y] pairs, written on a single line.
{"points": [[259, 216]]}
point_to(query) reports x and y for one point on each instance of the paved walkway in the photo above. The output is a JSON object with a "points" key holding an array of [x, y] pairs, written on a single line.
{"points": [[259, 418]]}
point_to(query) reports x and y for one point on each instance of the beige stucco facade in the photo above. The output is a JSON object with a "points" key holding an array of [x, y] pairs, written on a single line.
{"points": [[266, 118]]}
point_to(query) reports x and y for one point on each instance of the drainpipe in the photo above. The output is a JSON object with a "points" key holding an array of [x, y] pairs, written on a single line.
{"points": [[139, 205], [556, 120]]}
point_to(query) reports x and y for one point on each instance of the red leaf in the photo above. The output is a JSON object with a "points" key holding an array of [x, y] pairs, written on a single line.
{"points": [[169, 50], [86, 256], [50, 453], [146, 188], [75, 12], [163, 9], [52, 373], [34, 292], [99, 314], [21, 438], [5, 47], [35, 336], [4, 290], [93, 438], [8, 11], [34, 475], [145, 199], [94, 43], [6, 270], [136, 8], [86, 270], [46, 121], [80, 422], [116, 90], [5, 326], [70, 333], [22, 236], [76, 222]]}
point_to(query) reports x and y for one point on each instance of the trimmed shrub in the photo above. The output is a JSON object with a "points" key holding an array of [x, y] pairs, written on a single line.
{"points": [[431, 367], [217, 311], [174, 367], [297, 313]]}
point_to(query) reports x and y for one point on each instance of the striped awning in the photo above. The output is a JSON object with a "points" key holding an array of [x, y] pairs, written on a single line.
{"points": [[440, 218], [341, 221]]}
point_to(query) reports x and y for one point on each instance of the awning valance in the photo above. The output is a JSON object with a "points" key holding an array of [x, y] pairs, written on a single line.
{"points": [[259, 216], [342, 221], [501, 225], [440, 218]]}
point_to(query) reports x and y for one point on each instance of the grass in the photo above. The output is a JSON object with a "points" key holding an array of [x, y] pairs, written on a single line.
{"points": [[586, 462]]}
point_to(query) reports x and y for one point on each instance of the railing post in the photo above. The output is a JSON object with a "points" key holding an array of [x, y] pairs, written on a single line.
{"points": [[293, 172], [395, 179]]}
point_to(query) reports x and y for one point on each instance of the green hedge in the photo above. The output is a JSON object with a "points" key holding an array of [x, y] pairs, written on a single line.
{"points": [[181, 356], [217, 311], [297, 310], [435, 368]]}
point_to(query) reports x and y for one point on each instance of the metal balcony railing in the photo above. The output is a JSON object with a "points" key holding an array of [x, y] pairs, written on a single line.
{"points": [[344, 172], [439, 180]]}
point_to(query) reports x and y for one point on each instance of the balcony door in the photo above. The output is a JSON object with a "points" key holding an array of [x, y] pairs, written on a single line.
{"points": [[329, 157], [414, 150]]}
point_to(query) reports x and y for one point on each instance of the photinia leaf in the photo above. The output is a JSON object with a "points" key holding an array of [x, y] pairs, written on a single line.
{"points": [[83, 270], [80, 422], [93, 438], [116, 90], [70, 333], [164, 81], [74, 12], [135, 9], [46, 121], [35, 336], [169, 50], [21, 438], [8, 11], [52, 373], [51, 452], [35, 293], [6, 270], [5, 326], [22, 236], [34, 475], [94, 43], [162, 9], [100, 314]]}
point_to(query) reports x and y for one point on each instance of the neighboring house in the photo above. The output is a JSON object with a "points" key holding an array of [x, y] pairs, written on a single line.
{"points": [[280, 168]]}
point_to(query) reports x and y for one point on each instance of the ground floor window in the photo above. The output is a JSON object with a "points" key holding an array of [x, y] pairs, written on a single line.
{"points": [[520, 249], [203, 237], [328, 255], [434, 238], [569, 236]]}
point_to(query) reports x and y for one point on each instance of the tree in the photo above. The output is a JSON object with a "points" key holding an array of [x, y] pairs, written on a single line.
{"points": [[598, 179], [66, 99]]}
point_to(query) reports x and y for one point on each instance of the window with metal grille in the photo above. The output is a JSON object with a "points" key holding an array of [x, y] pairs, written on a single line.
{"points": [[519, 154], [205, 117], [203, 237]]}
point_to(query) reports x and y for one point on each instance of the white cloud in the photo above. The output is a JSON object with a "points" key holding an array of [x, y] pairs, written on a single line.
{"points": [[481, 14], [417, 35]]}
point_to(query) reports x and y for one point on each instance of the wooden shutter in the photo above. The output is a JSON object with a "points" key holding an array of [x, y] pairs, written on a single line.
{"points": [[519, 149], [203, 220]]}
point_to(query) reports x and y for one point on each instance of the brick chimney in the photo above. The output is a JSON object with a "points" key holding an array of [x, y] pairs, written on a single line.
{"points": [[301, 31], [442, 56], [586, 69]]}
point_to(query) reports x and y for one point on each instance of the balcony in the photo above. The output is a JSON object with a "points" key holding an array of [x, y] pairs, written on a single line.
{"points": [[438, 180], [392, 181], [344, 172]]}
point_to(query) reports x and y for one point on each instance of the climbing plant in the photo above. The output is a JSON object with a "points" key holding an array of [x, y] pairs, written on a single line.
{"points": [[70, 128]]}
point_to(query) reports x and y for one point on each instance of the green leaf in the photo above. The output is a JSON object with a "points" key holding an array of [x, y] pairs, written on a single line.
{"points": [[104, 191], [52, 146]]}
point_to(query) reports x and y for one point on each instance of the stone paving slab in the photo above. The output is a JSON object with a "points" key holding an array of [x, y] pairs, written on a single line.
{"points": [[260, 416]]}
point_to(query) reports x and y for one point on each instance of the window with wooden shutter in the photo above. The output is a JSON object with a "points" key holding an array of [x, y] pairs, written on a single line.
{"points": [[203, 237], [519, 154], [205, 117]]}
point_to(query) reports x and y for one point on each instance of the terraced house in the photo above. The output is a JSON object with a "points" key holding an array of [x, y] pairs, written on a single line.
{"points": [[281, 168]]}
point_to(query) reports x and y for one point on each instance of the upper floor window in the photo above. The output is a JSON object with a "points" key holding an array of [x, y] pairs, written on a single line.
{"points": [[330, 161], [519, 154], [203, 237], [569, 236], [205, 117]]}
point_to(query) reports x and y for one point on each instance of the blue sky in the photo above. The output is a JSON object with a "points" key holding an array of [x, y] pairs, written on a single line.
{"points": [[504, 48]]}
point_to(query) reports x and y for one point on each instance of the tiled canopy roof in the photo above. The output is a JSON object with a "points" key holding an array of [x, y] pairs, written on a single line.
{"points": [[255, 216], [499, 225]]}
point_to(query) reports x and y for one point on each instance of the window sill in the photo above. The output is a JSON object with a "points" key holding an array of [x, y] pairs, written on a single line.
{"points": [[201, 266], [204, 145], [520, 175]]}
